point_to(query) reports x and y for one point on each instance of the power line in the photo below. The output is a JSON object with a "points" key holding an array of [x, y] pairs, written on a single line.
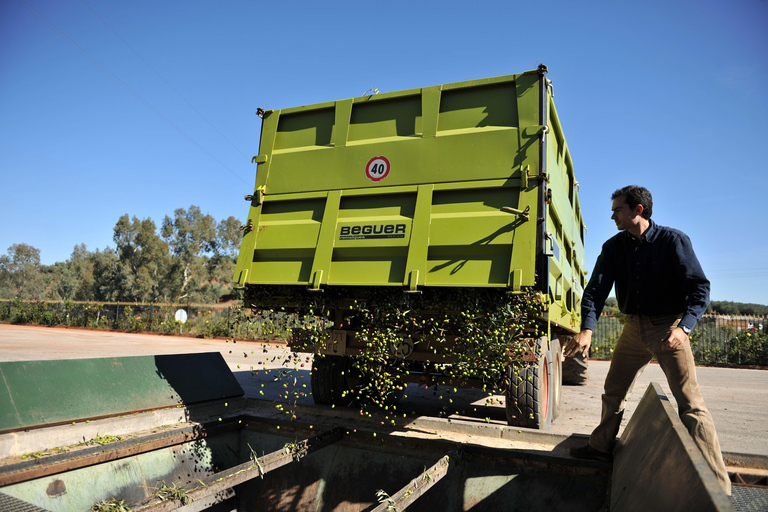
{"points": [[163, 78], [39, 15]]}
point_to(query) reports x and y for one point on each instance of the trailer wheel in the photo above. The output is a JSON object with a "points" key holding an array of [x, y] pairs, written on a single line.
{"points": [[329, 381], [556, 380], [575, 370], [528, 390]]}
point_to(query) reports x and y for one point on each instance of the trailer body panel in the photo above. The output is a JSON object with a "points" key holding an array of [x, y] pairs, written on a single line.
{"points": [[468, 184]]}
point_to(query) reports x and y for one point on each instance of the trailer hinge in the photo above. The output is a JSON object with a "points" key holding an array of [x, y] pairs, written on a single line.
{"points": [[259, 159], [247, 227], [257, 198], [525, 175]]}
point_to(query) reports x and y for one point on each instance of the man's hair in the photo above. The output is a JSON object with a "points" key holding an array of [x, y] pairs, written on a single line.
{"points": [[634, 196]]}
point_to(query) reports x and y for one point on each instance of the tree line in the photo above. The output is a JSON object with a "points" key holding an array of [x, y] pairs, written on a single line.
{"points": [[726, 307], [190, 258], [718, 307]]}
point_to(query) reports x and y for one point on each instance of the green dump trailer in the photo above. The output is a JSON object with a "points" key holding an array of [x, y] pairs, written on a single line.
{"points": [[463, 188]]}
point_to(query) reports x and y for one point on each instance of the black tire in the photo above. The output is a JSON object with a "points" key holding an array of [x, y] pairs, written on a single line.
{"points": [[528, 391], [556, 376], [575, 370], [329, 382]]}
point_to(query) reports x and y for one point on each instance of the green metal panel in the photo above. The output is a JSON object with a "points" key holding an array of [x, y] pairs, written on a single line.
{"points": [[564, 223], [132, 478], [50, 392], [462, 160]]}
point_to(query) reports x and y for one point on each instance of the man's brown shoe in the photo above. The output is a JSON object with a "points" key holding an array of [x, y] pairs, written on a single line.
{"points": [[589, 453]]}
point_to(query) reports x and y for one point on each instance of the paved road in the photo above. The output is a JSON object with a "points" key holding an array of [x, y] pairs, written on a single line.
{"points": [[737, 398]]}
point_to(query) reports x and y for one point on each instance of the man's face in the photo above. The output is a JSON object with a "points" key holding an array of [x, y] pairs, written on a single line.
{"points": [[624, 216]]}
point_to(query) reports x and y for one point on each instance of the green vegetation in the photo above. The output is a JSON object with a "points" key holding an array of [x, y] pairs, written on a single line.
{"points": [[191, 258], [383, 497], [105, 439], [607, 332], [296, 450], [100, 440], [716, 307], [174, 492], [473, 334], [722, 307], [717, 339], [45, 453], [730, 343], [204, 320], [110, 505]]}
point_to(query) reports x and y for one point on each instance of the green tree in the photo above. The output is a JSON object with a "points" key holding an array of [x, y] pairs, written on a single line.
{"points": [[221, 265], [20, 272], [73, 279], [611, 308], [192, 238], [726, 307], [111, 278], [219, 282], [229, 234], [192, 258], [190, 233], [144, 257]]}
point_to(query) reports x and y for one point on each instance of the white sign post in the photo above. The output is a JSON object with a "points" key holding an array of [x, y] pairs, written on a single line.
{"points": [[181, 316]]}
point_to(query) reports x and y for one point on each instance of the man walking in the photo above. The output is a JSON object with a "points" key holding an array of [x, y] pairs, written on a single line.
{"points": [[662, 289]]}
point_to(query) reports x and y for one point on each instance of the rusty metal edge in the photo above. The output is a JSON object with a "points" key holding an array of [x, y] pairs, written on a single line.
{"points": [[256, 468], [30, 470], [416, 488], [199, 403]]}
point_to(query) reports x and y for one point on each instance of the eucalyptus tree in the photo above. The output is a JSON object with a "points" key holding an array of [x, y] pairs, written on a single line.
{"points": [[145, 259], [20, 272], [192, 239]]}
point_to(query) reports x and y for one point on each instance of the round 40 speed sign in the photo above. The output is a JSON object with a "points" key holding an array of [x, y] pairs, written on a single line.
{"points": [[377, 168]]}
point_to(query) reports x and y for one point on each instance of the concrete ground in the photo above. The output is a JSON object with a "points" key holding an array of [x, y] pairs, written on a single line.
{"points": [[737, 398]]}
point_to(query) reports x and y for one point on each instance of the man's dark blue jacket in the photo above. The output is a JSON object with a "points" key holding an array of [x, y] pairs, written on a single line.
{"points": [[658, 274]]}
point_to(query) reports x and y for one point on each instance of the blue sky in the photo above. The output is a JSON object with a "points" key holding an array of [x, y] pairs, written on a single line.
{"points": [[112, 107]]}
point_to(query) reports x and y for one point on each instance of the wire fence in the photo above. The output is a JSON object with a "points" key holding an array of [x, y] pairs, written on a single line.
{"points": [[728, 339]]}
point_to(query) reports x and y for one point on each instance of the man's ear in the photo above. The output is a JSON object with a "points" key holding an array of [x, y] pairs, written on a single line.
{"points": [[639, 210]]}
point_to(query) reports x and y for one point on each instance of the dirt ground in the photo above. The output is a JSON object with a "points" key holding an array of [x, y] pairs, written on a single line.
{"points": [[737, 398]]}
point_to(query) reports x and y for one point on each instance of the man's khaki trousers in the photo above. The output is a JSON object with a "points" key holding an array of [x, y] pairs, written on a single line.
{"points": [[640, 340]]}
